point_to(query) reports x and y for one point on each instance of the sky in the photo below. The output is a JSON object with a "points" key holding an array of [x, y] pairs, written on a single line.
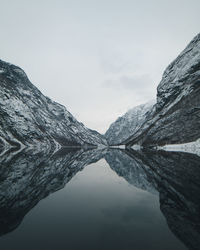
{"points": [[98, 58]]}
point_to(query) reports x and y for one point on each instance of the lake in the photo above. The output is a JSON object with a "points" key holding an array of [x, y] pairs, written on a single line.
{"points": [[99, 200]]}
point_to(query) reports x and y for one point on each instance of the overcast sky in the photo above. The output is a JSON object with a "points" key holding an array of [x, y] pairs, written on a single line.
{"points": [[99, 58]]}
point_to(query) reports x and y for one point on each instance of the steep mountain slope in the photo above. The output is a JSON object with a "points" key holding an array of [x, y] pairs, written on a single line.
{"points": [[128, 124], [29, 118], [176, 116]]}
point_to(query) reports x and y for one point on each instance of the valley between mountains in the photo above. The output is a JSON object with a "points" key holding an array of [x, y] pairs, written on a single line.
{"points": [[30, 119]]}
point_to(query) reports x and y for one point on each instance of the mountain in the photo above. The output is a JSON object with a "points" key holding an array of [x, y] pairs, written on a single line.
{"points": [[28, 118], [128, 124], [175, 118]]}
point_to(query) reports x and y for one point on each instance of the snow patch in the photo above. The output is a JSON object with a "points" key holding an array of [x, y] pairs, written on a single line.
{"points": [[120, 146], [190, 147], [136, 147]]}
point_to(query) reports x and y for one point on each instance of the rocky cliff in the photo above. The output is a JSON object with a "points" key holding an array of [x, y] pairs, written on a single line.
{"points": [[175, 118], [128, 124], [28, 118]]}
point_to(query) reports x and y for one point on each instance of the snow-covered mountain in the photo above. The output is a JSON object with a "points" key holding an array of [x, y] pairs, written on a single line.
{"points": [[128, 124], [28, 118], [176, 116]]}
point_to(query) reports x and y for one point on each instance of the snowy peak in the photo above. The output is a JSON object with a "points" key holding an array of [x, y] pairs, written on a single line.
{"points": [[128, 124]]}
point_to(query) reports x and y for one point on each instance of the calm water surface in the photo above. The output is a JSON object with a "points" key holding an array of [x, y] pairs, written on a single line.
{"points": [[99, 200]]}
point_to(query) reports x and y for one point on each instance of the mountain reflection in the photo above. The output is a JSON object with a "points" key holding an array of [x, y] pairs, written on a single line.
{"points": [[176, 176], [27, 177]]}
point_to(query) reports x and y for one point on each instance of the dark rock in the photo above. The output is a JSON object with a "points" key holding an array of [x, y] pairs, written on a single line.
{"points": [[175, 118]]}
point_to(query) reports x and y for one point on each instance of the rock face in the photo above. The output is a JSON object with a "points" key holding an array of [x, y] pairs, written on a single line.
{"points": [[176, 116], [128, 124], [29, 118]]}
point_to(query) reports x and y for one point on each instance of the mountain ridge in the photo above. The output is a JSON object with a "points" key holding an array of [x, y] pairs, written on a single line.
{"points": [[28, 118], [128, 123], [175, 118]]}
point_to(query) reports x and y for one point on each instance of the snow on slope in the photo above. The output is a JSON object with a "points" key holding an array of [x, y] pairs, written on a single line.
{"points": [[28, 118], [190, 147], [128, 124], [175, 118]]}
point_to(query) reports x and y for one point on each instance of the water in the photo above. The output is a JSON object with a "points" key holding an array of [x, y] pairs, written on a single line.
{"points": [[100, 200]]}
